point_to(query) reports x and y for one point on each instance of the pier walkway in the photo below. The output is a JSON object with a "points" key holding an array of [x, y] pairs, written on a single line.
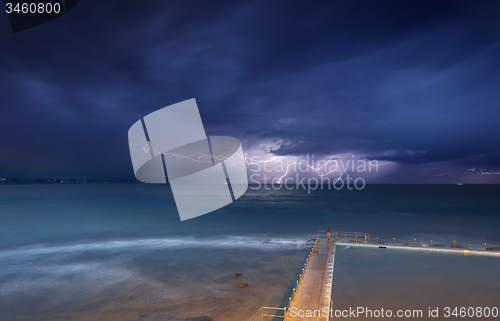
{"points": [[312, 293], [314, 290]]}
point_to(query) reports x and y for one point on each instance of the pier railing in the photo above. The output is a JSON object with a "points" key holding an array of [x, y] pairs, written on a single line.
{"points": [[353, 237], [364, 238], [269, 314]]}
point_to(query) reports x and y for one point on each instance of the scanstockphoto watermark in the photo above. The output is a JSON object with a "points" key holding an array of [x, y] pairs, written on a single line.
{"points": [[365, 312], [331, 174], [358, 312]]}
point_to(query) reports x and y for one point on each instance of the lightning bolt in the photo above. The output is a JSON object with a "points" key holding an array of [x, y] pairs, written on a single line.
{"points": [[315, 169], [489, 173], [463, 172], [202, 158], [451, 173]]}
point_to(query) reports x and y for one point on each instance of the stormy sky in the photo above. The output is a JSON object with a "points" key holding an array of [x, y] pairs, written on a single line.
{"points": [[414, 83]]}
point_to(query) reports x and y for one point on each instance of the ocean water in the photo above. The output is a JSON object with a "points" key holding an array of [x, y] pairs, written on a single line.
{"points": [[120, 252]]}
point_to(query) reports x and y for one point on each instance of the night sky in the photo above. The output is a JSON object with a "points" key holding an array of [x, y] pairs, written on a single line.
{"points": [[415, 83]]}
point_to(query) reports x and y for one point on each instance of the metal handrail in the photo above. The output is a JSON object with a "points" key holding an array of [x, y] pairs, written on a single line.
{"points": [[262, 315], [354, 237], [345, 235]]}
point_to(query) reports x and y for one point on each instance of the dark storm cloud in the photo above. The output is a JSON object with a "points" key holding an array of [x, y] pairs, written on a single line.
{"points": [[413, 82]]}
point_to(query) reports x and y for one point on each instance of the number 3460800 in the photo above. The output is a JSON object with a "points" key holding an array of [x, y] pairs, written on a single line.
{"points": [[33, 8]]}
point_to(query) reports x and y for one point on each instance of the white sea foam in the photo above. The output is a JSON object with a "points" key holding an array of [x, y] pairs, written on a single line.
{"points": [[233, 242], [44, 268], [39, 277], [51, 274]]}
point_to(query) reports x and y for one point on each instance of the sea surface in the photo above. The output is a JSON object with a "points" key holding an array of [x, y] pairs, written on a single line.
{"points": [[120, 252]]}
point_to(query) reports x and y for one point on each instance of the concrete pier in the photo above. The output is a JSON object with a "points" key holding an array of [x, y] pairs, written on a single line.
{"points": [[315, 289], [311, 299], [423, 248]]}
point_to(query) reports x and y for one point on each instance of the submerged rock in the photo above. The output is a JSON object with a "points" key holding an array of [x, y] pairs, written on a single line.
{"points": [[242, 285], [202, 318], [309, 243], [238, 274]]}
